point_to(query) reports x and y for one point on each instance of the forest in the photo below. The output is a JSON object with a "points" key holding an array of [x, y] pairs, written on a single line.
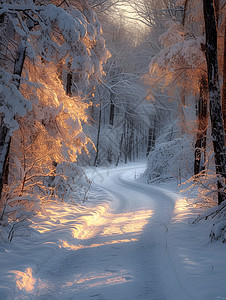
{"points": [[91, 86]]}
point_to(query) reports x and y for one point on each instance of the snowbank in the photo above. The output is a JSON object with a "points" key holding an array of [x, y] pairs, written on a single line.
{"points": [[200, 264], [172, 159], [57, 227]]}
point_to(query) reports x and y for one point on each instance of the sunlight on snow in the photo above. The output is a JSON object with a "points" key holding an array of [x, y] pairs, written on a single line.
{"points": [[93, 279], [180, 209], [76, 219], [132, 222], [117, 225], [25, 280], [189, 261], [77, 247], [84, 224]]}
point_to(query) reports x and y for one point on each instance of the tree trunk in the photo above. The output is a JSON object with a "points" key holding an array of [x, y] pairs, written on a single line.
{"points": [[126, 139], [112, 110], [200, 145], [69, 84], [151, 137], [214, 95], [224, 83], [185, 11], [98, 138], [130, 140], [4, 147], [120, 150], [217, 10], [111, 122], [5, 138]]}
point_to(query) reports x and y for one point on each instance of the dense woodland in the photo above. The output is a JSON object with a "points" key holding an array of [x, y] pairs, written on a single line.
{"points": [[107, 82]]}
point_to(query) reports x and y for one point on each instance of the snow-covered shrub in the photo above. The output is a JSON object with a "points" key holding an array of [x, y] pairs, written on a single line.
{"points": [[217, 215], [70, 183], [22, 200], [173, 159], [205, 182], [16, 212]]}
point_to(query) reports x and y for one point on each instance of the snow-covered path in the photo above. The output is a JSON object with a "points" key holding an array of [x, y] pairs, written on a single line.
{"points": [[129, 241], [124, 256]]}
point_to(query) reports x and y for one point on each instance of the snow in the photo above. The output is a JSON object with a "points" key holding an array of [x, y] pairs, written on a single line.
{"points": [[171, 159], [12, 101], [130, 240]]}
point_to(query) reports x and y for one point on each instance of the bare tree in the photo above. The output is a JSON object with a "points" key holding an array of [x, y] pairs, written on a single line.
{"points": [[103, 5]]}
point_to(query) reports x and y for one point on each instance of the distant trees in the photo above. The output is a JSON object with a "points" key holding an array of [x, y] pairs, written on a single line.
{"points": [[103, 5], [120, 120], [120, 114]]}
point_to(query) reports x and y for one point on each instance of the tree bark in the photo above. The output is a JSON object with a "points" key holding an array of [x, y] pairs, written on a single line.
{"points": [[126, 139], [185, 10], [111, 122], [217, 10], [112, 110], [151, 137], [98, 138], [224, 83], [69, 84], [214, 96], [200, 145], [4, 147], [120, 150]]}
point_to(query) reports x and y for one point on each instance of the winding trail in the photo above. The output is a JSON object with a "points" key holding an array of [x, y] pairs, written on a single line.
{"points": [[125, 255]]}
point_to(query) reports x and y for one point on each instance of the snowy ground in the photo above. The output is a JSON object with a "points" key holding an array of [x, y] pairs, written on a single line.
{"points": [[130, 241]]}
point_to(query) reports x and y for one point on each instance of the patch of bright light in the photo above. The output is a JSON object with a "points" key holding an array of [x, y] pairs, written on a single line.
{"points": [[99, 279], [24, 280]]}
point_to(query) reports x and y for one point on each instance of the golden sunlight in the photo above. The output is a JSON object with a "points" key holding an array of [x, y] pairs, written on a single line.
{"points": [[78, 219], [94, 279], [25, 280], [132, 222], [112, 226], [60, 115], [181, 205], [181, 209], [78, 247], [84, 224], [129, 16]]}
